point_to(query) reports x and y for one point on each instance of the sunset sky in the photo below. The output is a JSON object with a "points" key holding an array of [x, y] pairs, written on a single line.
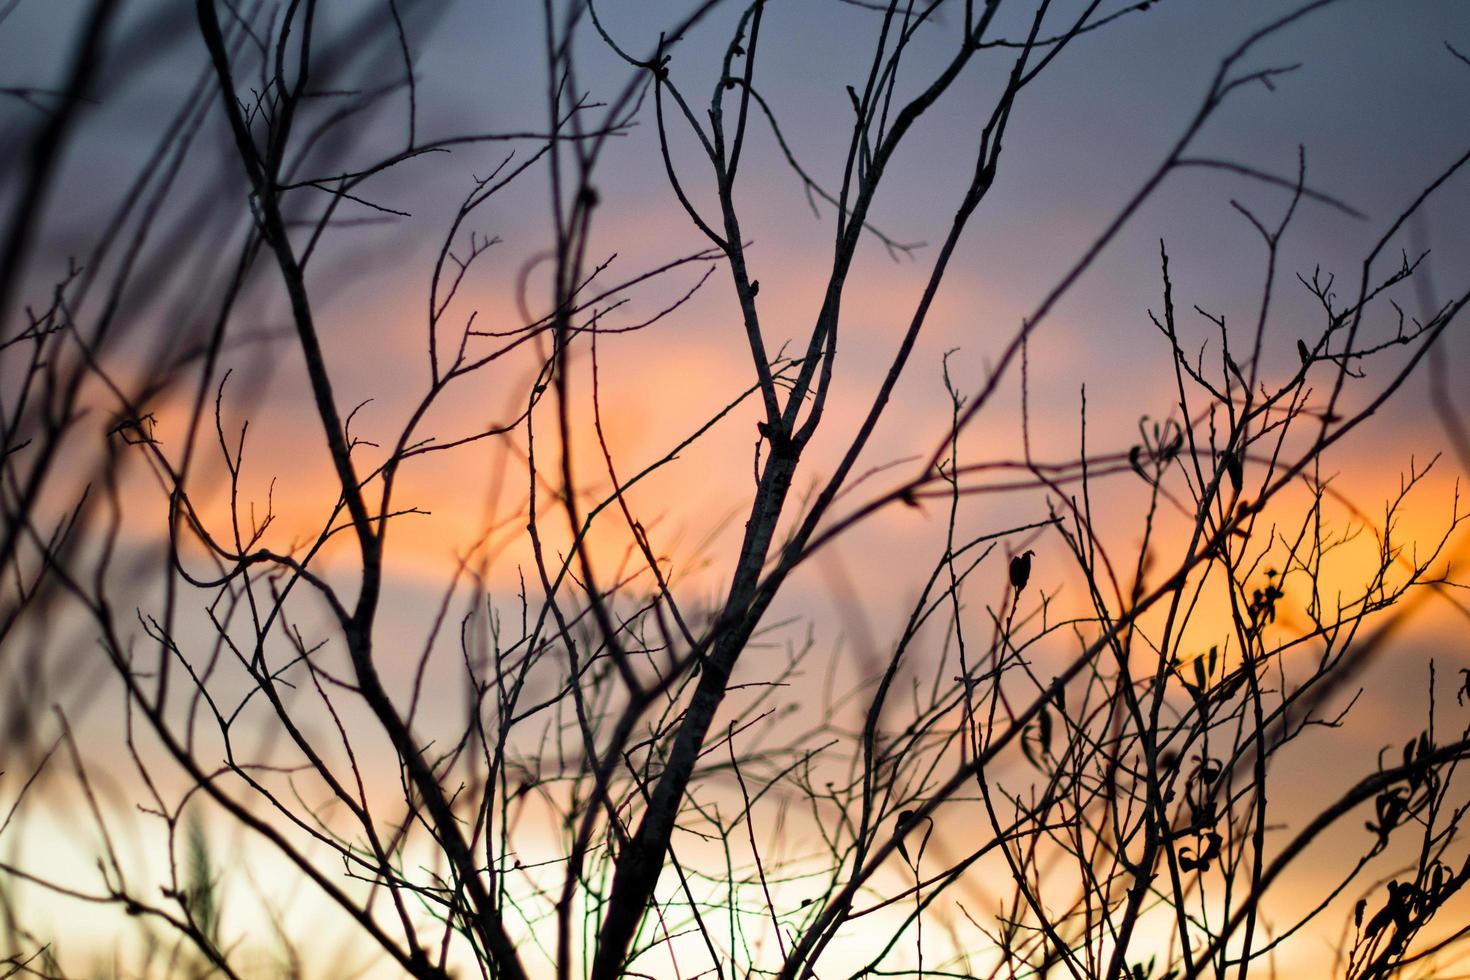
{"points": [[1377, 108]]}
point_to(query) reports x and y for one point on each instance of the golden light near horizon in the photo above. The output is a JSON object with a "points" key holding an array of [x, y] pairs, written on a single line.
{"points": [[536, 490]]}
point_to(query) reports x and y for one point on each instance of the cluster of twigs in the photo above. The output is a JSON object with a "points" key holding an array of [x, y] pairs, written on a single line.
{"points": [[1077, 774]]}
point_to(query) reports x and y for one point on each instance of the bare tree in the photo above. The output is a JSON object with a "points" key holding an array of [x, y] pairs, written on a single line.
{"points": [[1069, 759]]}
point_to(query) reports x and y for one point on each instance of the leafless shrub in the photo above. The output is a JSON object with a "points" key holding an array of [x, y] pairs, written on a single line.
{"points": [[1073, 769]]}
